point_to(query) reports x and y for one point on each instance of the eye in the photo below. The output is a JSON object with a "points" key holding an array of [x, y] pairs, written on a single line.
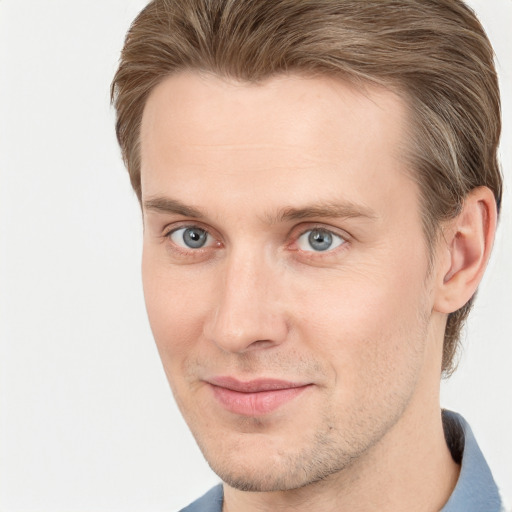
{"points": [[191, 237], [319, 240]]}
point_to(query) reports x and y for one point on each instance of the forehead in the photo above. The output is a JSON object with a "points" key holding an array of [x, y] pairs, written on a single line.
{"points": [[308, 136]]}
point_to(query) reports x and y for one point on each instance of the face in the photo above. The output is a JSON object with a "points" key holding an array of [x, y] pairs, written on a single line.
{"points": [[285, 271]]}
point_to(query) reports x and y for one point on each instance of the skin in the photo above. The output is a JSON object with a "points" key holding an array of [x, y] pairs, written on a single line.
{"points": [[257, 168]]}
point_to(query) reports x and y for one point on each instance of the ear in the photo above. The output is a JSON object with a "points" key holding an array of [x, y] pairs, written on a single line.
{"points": [[465, 250]]}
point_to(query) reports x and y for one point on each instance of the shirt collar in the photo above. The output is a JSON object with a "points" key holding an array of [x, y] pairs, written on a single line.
{"points": [[476, 490]]}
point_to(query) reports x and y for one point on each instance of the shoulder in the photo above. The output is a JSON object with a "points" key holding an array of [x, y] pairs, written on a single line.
{"points": [[209, 502], [476, 490]]}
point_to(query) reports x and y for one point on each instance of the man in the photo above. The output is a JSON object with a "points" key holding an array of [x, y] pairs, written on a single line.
{"points": [[320, 191]]}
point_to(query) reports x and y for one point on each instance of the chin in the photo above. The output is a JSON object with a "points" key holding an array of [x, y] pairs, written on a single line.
{"points": [[286, 476], [267, 466]]}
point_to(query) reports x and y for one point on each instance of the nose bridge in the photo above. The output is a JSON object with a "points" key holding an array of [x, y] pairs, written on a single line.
{"points": [[247, 313]]}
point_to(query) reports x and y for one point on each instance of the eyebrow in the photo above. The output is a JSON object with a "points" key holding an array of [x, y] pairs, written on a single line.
{"points": [[345, 209], [168, 205]]}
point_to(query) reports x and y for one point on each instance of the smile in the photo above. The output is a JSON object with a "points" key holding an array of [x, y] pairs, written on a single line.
{"points": [[255, 397]]}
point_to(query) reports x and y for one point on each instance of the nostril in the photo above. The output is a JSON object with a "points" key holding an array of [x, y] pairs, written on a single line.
{"points": [[260, 344]]}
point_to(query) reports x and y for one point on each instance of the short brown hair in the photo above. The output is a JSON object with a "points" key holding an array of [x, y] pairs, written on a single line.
{"points": [[433, 52]]}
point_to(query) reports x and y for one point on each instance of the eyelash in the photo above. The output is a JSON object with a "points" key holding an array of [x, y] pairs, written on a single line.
{"points": [[188, 252], [335, 239], [344, 240]]}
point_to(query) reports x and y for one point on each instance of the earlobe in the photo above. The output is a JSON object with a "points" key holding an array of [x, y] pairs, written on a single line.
{"points": [[468, 240]]}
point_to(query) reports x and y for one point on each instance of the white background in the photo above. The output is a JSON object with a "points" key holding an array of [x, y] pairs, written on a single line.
{"points": [[87, 422]]}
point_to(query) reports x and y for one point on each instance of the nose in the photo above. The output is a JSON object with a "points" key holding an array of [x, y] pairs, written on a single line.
{"points": [[248, 313]]}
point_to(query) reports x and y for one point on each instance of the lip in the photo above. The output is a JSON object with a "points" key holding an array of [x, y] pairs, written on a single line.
{"points": [[254, 397]]}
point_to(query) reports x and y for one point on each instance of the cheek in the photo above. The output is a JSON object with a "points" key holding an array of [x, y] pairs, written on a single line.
{"points": [[175, 302], [369, 325]]}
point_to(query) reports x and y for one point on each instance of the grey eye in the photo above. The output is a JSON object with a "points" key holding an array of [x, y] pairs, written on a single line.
{"points": [[190, 237], [319, 240]]}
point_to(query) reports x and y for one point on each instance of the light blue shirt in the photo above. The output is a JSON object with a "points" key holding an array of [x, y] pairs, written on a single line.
{"points": [[475, 491]]}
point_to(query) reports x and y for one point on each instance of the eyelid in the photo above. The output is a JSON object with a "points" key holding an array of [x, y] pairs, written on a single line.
{"points": [[335, 241], [175, 238], [302, 229], [184, 224], [295, 234], [176, 226], [305, 227]]}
